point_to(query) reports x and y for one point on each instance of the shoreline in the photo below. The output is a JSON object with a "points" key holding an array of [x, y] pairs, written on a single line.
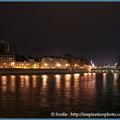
{"points": [[15, 71]]}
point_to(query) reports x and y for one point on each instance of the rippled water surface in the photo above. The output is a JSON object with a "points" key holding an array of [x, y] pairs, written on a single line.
{"points": [[39, 95]]}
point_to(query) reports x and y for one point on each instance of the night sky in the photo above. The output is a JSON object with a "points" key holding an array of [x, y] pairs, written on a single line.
{"points": [[90, 30]]}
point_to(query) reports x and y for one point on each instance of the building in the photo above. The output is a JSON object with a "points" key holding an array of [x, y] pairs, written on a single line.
{"points": [[30, 64], [4, 47], [7, 60], [53, 63]]}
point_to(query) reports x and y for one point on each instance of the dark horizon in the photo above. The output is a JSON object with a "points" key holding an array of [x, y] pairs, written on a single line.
{"points": [[89, 30]]}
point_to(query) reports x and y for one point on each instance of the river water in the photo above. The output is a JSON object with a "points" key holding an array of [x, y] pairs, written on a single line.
{"points": [[39, 95]]}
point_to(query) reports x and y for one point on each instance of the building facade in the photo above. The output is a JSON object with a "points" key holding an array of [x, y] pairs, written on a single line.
{"points": [[53, 63], [7, 61]]}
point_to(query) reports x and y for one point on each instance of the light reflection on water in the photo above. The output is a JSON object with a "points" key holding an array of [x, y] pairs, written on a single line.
{"points": [[4, 83], [12, 83], [44, 83], [38, 94], [58, 81], [34, 81]]}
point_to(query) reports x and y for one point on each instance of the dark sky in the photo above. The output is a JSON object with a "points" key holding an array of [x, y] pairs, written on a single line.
{"points": [[90, 30]]}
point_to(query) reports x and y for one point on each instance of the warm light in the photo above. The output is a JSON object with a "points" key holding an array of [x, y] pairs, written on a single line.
{"points": [[115, 76], [4, 83], [35, 66], [67, 77], [76, 65], [85, 74], [104, 76], [12, 63], [44, 77], [12, 76], [57, 76], [21, 76], [89, 73], [45, 64], [34, 76], [67, 65], [76, 76], [94, 75], [12, 83], [58, 65], [26, 77], [44, 82]]}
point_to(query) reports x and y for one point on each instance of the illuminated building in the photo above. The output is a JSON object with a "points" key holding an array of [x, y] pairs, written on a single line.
{"points": [[27, 64], [54, 62]]}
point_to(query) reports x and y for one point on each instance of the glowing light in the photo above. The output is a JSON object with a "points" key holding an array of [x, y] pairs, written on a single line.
{"points": [[58, 81], [35, 66], [12, 64], [104, 76], [57, 77], [45, 64], [44, 82], [26, 77], [89, 73], [115, 76], [58, 65], [85, 74], [76, 65], [67, 65], [4, 83], [44, 77], [76, 76], [34, 76], [21, 76], [12, 76], [94, 75], [12, 83], [67, 76]]}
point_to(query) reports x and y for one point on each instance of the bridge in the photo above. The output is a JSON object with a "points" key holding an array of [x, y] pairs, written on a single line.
{"points": [[105, 70]]}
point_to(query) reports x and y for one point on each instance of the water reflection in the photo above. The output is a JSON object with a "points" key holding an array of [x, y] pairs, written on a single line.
{"points": [[115, 78], [12, 83], [94, 76], [104, 80], [76, 76], [67, 76], [4, 83], [44, 83], [21, 81], [76, 85], [58, 81], [85, 75], [71, 92], [24, 82], [27, 81], [67, 85], [34, 81]]}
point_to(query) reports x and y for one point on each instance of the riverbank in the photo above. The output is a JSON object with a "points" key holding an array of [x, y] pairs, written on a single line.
{"points": [[14, 71]]}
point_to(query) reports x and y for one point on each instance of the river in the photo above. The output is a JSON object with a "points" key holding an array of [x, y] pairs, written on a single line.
{"points": [[36, 96]]}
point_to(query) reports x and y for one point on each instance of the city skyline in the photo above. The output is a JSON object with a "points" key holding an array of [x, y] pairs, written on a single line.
{"points": [[89, 30]]}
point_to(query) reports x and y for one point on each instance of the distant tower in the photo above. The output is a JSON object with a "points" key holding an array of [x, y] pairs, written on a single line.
{"points": [[4, 47]]}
